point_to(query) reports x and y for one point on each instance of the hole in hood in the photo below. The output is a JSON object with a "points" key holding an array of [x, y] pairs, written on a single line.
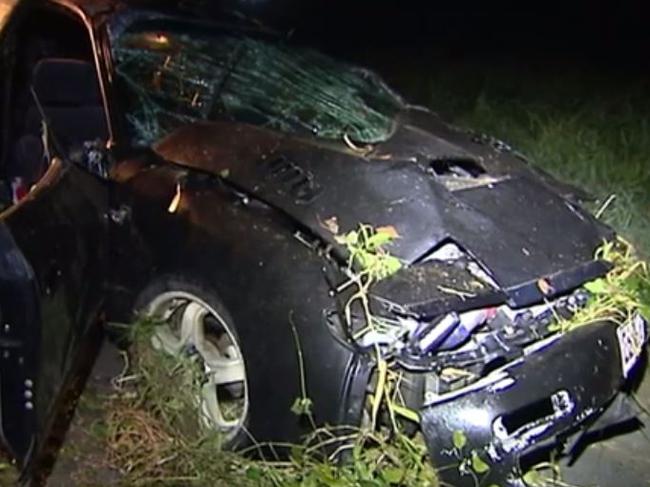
{"points": [[459, 168], [457, 174]]}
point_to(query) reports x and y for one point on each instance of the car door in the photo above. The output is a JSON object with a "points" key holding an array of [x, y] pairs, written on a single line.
{"points": [[52, 268], [53, 259]]}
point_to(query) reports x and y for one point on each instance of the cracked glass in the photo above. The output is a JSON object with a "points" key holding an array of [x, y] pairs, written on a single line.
{"points": [[172, 73]]}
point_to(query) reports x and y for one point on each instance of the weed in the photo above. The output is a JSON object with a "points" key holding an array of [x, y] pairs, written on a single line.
{"points": [[620, 295], [154, 438], [366, 249]]}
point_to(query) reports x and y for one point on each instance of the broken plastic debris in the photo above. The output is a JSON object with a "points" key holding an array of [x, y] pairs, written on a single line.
{"points": [[173, 206], [388, 230], [545, 286], [433, 334], [447, 252], [331, 224]]}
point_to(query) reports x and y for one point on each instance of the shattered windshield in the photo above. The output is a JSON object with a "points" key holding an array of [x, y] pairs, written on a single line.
{"points": [[172, 73]]}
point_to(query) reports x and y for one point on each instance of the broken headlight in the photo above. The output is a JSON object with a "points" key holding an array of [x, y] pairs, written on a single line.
{"points": [[458, 346]]}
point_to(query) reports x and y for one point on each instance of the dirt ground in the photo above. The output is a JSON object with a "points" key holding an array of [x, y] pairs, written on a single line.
{"points": [[82, 460], [621, 460]]}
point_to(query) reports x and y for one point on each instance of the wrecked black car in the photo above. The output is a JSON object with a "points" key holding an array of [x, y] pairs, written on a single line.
{"points": [[216, 177]]}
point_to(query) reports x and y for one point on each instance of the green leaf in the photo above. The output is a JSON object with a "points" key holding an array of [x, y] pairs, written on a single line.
{"points": [[645, 311], [599, 286], [351, 238], [365, 259], [391, 265], [406, 413], [533, 478], [253, 473], [324, 474], [393, 475], [297, 453], [459, 439], [369, 483], [478, 464], [301, 406], [370, 455], [377, 240]]}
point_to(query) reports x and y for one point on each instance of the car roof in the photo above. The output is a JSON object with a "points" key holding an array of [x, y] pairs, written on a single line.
{"points": [[187, 8], [194, 10], [190, 8], [89, 7]]}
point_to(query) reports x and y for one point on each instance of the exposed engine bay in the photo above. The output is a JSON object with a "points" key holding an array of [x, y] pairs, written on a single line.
{"points": [[496, 373]]}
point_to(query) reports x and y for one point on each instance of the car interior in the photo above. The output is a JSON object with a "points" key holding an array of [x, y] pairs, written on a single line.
{"points": [[53, 103]]}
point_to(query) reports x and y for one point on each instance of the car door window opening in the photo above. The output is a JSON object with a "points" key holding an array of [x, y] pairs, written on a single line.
{"points": [[57, 104]]}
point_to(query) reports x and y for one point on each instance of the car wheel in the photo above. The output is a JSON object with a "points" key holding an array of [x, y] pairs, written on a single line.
{"points": [[190, 321]]}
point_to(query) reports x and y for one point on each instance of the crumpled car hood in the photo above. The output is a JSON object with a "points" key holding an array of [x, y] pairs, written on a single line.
{"points": [[510, 220]]}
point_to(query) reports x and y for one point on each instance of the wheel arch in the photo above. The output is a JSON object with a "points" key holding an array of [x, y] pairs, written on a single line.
{"points": [[271, 283]]}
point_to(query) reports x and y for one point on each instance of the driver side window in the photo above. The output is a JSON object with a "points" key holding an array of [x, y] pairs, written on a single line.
{"points": [[55, 103]]}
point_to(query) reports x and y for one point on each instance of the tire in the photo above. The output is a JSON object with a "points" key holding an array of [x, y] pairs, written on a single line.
{"points": [[190, 320]]}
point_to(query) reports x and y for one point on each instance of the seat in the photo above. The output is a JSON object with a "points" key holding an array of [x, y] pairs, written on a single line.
{"points": [[68, 91], [69, 95]]}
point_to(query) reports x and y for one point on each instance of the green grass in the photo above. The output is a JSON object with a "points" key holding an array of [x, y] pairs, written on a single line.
{"points": [[153, 437], [586, 129]]}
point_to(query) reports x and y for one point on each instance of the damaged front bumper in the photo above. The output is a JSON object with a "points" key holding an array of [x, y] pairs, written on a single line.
{"points": [[478, 435]]}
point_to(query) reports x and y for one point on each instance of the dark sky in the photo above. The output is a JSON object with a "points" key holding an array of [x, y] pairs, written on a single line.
{"points": [[615, 34]]}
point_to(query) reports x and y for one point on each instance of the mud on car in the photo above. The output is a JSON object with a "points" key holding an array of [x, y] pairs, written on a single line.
{"points": [[213, 175]]}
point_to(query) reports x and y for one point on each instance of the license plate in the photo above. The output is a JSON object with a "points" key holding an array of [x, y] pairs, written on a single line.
{"points": [[631, 340]]}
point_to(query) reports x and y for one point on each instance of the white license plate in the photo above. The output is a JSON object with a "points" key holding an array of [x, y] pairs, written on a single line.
{"points": [[631, 340]]}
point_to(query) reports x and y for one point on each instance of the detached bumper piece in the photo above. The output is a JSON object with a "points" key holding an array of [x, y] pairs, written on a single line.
{"points": [[477, 435]]}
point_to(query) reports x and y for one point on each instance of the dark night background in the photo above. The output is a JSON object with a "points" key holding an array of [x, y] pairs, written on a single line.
{"points": [[409, 40], [598, 33]]}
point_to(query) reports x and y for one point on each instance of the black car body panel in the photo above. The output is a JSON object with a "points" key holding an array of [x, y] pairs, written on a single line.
{"points": [[312, 183], [243, 208], [264, 251], [46, 304], [505, 419], [20, 310]]}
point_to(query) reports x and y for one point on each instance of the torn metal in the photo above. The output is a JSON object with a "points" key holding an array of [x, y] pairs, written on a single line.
{"points": [[505, 418], [504, 377]]}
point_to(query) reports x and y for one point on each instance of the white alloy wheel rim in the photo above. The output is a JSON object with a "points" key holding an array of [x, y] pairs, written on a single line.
{"points": [[192, 327]]}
